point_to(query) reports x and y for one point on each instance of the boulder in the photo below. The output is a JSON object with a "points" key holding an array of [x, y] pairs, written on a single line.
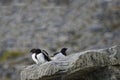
{"points": [[101, 64]]}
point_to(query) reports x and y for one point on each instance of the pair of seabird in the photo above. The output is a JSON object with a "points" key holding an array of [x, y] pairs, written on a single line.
{"points": [[41, 56]]}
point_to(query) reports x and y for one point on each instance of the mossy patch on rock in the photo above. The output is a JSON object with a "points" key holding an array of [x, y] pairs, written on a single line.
{"points": [[10, 54]]}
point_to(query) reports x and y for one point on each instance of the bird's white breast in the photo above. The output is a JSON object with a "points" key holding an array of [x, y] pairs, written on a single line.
{"points": [[58, 56], [34, 59], [41, 58]]}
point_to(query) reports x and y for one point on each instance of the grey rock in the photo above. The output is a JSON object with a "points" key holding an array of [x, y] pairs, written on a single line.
{"points": [[96, 28], [101, 64]]}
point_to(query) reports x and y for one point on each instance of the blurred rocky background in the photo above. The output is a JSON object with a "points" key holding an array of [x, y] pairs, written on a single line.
{"points": [[53, 24]]}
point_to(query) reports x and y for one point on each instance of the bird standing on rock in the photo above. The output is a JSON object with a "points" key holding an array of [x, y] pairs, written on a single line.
{"points": [[60, 55], [40, 56]]}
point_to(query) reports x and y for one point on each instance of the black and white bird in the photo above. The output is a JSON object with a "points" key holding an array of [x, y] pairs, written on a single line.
{"points": [[40, 56], [60, 55]]}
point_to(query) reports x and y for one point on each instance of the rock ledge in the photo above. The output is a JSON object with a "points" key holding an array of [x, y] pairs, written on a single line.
{"points": [[101, 64]]}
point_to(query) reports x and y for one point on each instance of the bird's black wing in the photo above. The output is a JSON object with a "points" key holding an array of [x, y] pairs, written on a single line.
{"points": [[46, 56], [56, 53]]}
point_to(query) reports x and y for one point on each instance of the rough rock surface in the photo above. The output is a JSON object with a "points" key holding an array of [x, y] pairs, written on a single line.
{"points": [[101, 64]]}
